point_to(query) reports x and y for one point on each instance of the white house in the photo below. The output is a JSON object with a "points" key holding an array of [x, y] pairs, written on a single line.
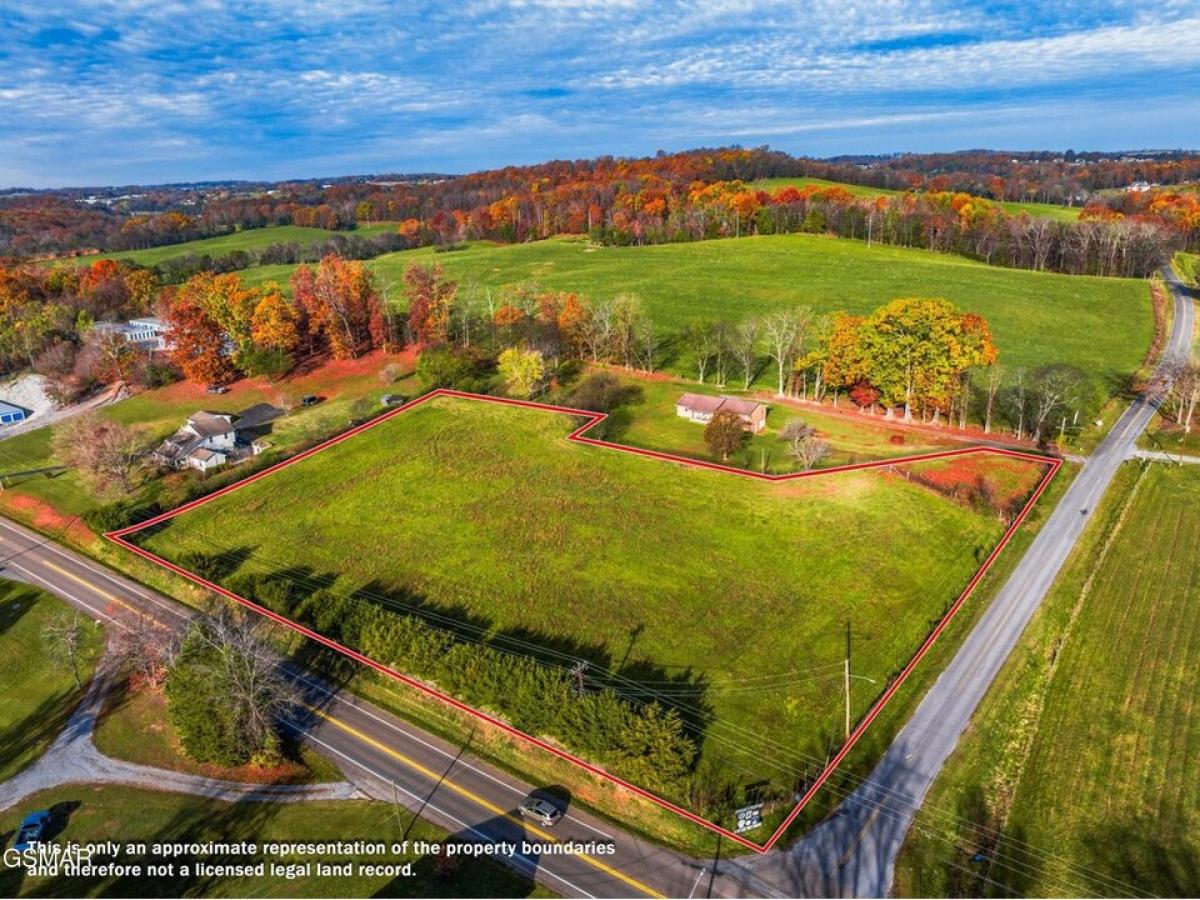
{"points": [[198, 444], [702, 407], [209, 440]]}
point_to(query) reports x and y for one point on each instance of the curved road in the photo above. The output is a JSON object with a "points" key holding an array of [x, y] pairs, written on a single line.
{"points": [[853, 853], [390, 759]]}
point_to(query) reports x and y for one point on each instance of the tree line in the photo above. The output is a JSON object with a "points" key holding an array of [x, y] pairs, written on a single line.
{"points": [[625, 199], [912, 359]]}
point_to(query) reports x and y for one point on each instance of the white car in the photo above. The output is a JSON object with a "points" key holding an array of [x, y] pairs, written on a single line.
{"points": [[541, 811]]}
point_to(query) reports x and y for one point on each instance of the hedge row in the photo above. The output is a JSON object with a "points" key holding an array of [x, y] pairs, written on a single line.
{"points": [[644, 743]]}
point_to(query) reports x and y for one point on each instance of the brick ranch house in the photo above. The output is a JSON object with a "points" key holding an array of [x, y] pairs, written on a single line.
{"points": [[702, 407], [208, 440]]}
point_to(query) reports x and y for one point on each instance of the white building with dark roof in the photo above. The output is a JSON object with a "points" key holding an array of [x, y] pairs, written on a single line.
{"points": [[208, 440]]}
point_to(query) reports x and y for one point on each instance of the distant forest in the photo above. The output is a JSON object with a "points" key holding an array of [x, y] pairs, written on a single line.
{"points": [[1135, 209]]}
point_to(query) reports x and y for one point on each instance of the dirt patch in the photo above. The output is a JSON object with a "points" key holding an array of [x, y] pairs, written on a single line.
{"points": [[45, 517]]}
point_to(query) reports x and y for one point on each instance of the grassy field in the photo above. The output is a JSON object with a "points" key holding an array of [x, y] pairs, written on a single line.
{"points": [[135, 726], [1044, 210], [127, 815], [486, 512], [158, 413], [1075, 778], [1188, 267], [649, 420], [250, 240], [38, 693], [1101, 325]]}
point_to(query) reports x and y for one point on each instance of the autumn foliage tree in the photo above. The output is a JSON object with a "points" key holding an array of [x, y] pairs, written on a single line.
{"points": [[913, 353], [724, 434], [198, 343], [430, 303], [342, 307]]}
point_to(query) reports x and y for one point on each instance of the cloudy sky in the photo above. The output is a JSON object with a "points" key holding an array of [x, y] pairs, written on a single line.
{"points": [[126, 91]]}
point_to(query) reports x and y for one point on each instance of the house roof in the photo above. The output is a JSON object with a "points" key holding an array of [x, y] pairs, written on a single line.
{"points": [[258, 414], [210, 424], [706, 403], [6, 407], [178, 446], [204, 454], [700, 402], [739, 406]]}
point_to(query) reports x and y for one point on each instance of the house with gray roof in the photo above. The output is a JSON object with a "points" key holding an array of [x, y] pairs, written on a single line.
{"points": [[209, 440]]}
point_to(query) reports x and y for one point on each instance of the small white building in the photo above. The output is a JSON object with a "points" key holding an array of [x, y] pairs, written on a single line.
{"points": [[148, 333], [702, 407], [204, 459]]}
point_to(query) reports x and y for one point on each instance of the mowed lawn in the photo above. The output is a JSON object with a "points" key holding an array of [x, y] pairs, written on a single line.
{"points": [[38, 692], [249, 240], [648, 419], [1188, 267], [1083, 756], [155, 414], [486, 511], [1101, 325]]}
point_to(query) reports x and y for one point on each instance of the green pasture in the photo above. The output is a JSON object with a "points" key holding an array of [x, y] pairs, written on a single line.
{"points": [[1076, 776], [486, 513]]}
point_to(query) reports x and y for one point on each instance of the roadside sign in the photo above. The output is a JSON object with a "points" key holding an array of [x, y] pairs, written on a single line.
{"points": [[748, 818]]}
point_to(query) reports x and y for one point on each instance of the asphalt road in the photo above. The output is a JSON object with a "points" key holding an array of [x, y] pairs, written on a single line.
{"points": [[853, 853], [391, 760]]}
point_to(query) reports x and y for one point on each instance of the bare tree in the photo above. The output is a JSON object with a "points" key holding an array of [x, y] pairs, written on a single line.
{"points": [[1185, 394], [598, 333], [745, 348], [106, 454], [645, 344], [1017, 400], [1056, 388], [722, 346], [803, 443], [702, 338], [784, 333], [231, 649], [995, 378], [63, 636], [146, 650]]}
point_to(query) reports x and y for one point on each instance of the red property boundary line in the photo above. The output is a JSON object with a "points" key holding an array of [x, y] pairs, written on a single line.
{"points": [[578, 436]]}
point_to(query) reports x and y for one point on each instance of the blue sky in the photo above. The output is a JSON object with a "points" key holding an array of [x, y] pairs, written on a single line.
{"points": [[128, 91]]}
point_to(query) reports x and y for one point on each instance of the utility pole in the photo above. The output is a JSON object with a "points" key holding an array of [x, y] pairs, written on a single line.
{"points": [[847, 698], [577, 674], [847, 679]]}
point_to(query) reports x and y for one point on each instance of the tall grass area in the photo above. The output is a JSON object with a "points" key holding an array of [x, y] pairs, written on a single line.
{"points": [[39, 691], [1076, 778], [1101, 325], [709, 590]]}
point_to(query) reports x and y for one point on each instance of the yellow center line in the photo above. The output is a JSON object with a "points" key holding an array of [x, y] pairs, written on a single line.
{"points": [[475, 798], [112, 598], [400, 757]]}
